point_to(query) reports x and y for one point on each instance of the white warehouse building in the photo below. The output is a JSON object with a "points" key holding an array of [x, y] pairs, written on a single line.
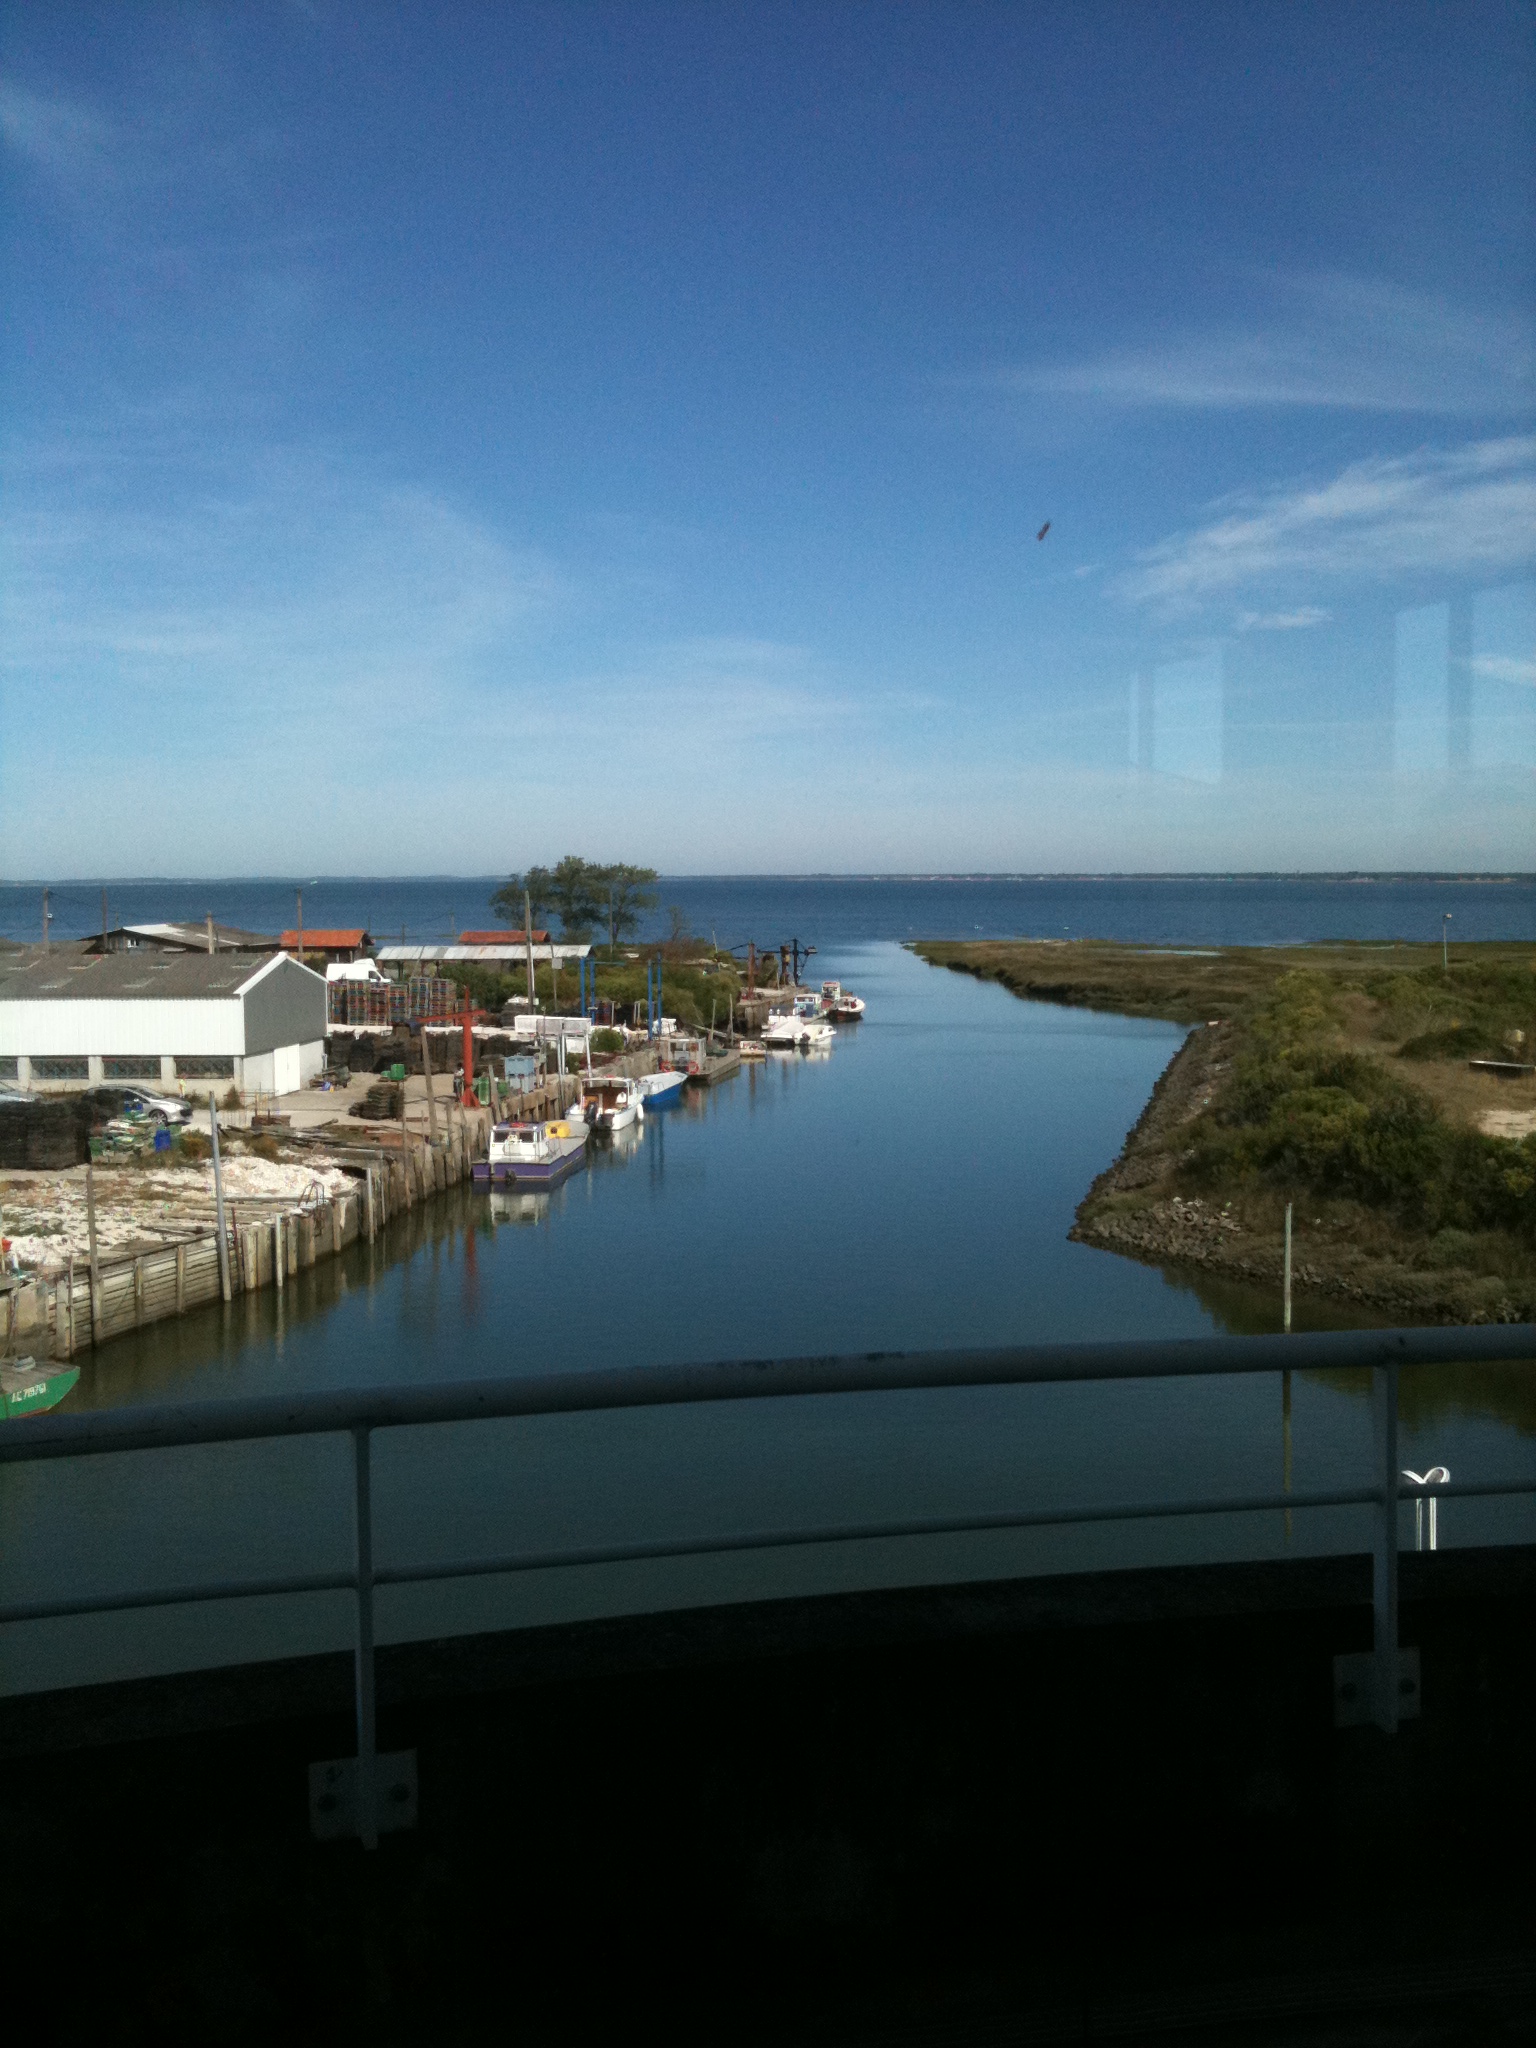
{"points": [[173, 1021]]}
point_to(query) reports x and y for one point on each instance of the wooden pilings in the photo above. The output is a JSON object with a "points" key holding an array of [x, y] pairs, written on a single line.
{"points": [[115, 1296]]}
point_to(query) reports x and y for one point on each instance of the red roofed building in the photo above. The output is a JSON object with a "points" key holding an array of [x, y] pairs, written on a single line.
{"points": [[503, 938], [329, 945]]}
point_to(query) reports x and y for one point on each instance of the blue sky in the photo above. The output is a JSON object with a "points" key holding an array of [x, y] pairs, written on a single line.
{"points": [[443, 437]]}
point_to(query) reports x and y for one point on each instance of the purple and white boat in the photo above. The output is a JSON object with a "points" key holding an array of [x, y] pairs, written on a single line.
{"points": [[533, 1155]]}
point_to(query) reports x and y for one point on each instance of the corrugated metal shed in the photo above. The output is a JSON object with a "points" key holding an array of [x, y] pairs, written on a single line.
{"points": [[177, 1004], [403, 956]]}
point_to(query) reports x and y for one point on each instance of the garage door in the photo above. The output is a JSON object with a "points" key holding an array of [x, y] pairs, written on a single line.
{"points": [[285, 1070]]}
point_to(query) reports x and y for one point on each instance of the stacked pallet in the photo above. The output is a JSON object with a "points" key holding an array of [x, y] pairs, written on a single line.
{"points": [[384, 1101]]}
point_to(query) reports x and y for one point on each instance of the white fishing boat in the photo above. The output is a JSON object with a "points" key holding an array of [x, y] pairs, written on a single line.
{"points": [[836, 1001], [684, 1053], [657, 1090], [533, 1155], [795, 1031], [609, 1104]]}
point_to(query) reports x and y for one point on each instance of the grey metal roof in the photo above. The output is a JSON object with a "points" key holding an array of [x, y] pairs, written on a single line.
{"points": [[403, 955], [124, 977], [189, 938]]}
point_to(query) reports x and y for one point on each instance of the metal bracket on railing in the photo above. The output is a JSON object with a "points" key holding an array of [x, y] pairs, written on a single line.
{"points": [[1437, 1475], [366, 1795], [334, 1807], [1380, 1684]]}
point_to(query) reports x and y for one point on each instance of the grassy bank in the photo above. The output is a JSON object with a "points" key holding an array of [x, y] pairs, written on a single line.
{"points": [[1332, 1077]]}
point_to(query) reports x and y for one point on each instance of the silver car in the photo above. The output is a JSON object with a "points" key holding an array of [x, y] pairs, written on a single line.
{"points": [[162, 1109]]}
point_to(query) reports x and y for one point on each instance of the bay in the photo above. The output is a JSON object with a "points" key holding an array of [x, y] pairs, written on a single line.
{"points": [[844, 909]]}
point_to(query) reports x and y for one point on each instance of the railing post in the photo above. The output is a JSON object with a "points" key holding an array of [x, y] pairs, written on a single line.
{"points": [[1380, 1685], [367, 1740], [1384, 1685]]}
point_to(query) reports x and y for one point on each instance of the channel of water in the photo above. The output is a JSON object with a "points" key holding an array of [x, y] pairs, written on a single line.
{"points": [[912, 1189]]}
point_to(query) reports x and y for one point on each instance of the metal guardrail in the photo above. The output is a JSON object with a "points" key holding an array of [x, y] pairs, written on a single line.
{"points": [[1381, 1686]]}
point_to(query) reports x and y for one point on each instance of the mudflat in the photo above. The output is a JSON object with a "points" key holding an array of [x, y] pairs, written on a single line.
{"points": [[1383, 1090]]}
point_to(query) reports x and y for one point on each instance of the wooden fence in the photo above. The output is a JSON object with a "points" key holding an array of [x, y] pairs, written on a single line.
{"points": [[267, 1242]]}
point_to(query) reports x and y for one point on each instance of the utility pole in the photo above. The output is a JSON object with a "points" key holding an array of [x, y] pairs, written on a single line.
{"points": [[1287, 1289], [1445, 941], [218, 1197], [209, 922], [528, 936], [90, 1225], [426, 1071]]}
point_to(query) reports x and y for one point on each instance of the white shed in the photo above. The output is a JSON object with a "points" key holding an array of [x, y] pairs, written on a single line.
{"points": [[173, 1020]]}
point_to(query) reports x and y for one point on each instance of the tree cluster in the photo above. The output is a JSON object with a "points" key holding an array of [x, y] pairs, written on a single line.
{"points": [[585, 895]]}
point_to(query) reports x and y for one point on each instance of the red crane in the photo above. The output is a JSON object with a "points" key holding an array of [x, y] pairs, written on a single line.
{"points": [[469, 1017]]}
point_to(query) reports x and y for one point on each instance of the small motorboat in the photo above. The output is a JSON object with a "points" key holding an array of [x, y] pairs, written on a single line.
{"points": [[27, 1388], [752, 1048], [533, 1155], [836, 1001], [794, 1030], [608, 1105], [657, 1090]]}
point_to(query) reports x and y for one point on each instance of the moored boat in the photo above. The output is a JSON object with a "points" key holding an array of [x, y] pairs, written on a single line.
{"points": [[836, 1001], [608, 1104], [795, 1029], [533, 1155], [657, 1090], [27, 1388]]}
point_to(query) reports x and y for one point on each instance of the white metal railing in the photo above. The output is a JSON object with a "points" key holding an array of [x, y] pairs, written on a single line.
{"points": [[1380, 1685]]}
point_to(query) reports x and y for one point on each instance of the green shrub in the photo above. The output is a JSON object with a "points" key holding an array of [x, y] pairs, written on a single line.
{"points": [[1452, 1042], [607, 1041], [1303, 1113]]}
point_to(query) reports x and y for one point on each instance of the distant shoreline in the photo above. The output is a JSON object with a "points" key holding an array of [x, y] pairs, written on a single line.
{"points": [[1483, 878]]}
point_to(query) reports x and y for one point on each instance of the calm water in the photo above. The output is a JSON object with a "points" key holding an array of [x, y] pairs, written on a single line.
{"points": [[841, 910], [913, 1189]]}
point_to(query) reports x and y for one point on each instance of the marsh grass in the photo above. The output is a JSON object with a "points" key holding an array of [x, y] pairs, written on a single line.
{"points": [[1342, 1087]]}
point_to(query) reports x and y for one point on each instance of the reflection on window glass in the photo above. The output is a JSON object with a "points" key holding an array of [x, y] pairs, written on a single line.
{"points": [[1186, 718], [1420, 691], [1503, 683]]}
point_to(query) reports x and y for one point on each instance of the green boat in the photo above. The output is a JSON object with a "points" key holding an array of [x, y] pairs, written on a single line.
{"points": [[27, 1388]]}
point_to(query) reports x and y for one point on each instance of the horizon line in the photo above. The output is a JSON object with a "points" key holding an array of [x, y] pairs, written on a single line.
{"points": [[1495, 875]]}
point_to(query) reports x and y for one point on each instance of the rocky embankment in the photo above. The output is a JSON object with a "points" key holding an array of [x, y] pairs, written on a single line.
{"points": [[1135, 1209]]}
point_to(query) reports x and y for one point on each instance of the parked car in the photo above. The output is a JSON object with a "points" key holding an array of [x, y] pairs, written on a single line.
{"points": [[115, 1098]]}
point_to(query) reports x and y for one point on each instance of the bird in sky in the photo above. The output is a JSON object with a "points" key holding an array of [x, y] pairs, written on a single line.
{"points": [[1043, 531]]}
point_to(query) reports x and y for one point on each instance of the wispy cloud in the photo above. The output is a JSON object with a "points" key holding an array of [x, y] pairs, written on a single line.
{"points": [[1505, 668], [1466, 510], [1284, 622], [276, 584], [726, 690], [56, 135], [1337, 342]]}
